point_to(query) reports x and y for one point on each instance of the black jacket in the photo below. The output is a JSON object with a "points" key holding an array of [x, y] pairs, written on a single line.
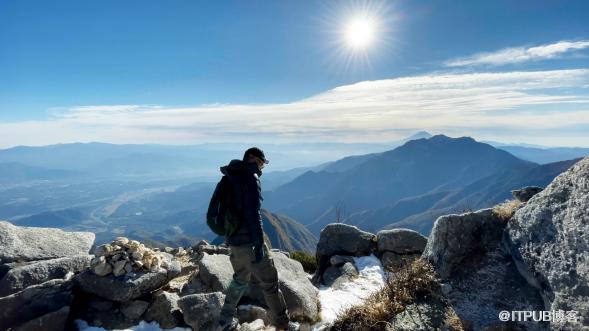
{"points": [[245, 183]]}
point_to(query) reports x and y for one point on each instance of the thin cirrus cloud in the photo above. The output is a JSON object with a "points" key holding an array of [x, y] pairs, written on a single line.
{"points": [[520, 54], [510, 105]]}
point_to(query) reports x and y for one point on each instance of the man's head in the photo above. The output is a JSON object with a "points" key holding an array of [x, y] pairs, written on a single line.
{"points": [[255, 155]]}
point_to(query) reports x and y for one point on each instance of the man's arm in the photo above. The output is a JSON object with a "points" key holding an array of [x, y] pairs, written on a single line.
{"points": [[251, 209]]}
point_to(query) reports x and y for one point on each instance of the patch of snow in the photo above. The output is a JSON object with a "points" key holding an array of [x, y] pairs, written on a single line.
{"points": [[142, 326], [333, 301]]}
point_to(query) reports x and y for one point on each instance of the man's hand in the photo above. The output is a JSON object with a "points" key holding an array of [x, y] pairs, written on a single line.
{"points": [[258, 253]]}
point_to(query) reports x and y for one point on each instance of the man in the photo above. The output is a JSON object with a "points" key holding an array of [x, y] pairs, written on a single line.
{"points": [[249, 255]]}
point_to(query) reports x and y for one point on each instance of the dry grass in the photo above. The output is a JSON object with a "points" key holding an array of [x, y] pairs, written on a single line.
{"points": [[417, 280], [506, 209]]}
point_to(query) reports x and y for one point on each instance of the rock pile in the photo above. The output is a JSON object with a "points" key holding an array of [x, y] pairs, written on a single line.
{"points": [[340, 243], [124, 256]]}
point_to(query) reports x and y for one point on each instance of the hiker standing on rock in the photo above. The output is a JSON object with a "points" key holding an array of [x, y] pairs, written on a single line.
{"points": [[234, 212]]}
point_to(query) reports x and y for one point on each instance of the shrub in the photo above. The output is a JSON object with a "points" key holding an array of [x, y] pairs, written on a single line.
{"points": [[417, 280], [506, 209], [307, 260]]}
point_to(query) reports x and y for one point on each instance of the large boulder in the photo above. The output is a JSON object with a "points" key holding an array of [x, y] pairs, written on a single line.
{"points": [[458, 237], [215, 272], [338, 238], [53, 321], [34, 301], [30, 244], [549, 240], [300, 294], [202, 311], [526, 193], [336, 275], [133, 310], [425, 315], [215, 275], [122, 288], [480, 278], [164, 310], [29, 274], [400, 241]]}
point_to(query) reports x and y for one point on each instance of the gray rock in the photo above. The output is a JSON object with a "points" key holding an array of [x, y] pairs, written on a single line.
{"points": [[213, 249], [164, 310], [110, 320], [401, 241], [5, 268], [276, 250], [201, 311], [34, 301], [30, 244], [481, 278], [257, 325], [134, 309], [526, 193], [337, 238], [38, 272], [457, 237], [54, 321], [215, 272], [121, 288], [104, 313], [300, 294], [337, 260], [487, 285], [549, 240], [250, 313], [200, 243], [446, 288], [335, 275], [395, 262], [100, 304], [423, 315]]}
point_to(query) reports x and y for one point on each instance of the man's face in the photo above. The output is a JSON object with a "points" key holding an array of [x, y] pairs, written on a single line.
{"points": [[258, 161]]}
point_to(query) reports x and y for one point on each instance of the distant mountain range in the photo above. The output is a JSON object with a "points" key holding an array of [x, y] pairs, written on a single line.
{"points": [[169, 161], [408, 186], [160, 193], [545, 155]]}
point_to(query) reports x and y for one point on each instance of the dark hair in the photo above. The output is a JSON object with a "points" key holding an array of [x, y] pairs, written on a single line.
{"points": [[255, 152]]}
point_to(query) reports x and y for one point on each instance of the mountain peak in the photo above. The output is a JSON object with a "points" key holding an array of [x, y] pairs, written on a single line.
{"points": [[419, 135]]}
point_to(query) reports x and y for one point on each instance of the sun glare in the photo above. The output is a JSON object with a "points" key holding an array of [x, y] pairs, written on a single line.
{"points": [[360, 33]]}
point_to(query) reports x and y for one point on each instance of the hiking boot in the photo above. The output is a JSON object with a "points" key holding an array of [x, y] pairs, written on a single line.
{"points": [[228, 325]]}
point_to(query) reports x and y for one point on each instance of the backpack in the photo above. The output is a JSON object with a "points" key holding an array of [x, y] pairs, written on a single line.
{"points": [[222, 215]]}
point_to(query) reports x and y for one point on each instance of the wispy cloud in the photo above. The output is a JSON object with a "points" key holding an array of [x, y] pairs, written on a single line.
{"points": [[475, 103], [519, 54]]}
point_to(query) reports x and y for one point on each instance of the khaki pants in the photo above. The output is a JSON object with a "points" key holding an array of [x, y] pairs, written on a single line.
{"points": [[267, 276]]}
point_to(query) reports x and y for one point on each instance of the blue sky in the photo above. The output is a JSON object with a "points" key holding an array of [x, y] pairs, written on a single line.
{"points": [[195, 71]]}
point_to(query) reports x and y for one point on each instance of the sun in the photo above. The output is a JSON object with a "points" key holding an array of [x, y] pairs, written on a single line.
{"points": [[358, 36], [360, 32]]}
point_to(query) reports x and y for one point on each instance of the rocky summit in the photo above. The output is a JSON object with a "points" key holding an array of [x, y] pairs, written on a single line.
{"points": [[529, 254]]}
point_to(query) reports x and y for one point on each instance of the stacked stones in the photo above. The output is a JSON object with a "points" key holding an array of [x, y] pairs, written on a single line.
{"points": [[124, 256]]}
